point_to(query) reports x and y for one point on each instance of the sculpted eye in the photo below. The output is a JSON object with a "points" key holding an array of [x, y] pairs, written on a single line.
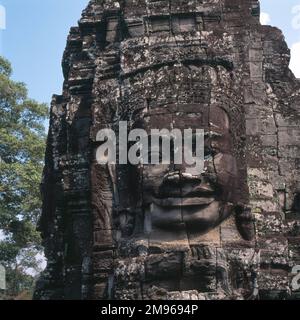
{"points": [[209, 152]]}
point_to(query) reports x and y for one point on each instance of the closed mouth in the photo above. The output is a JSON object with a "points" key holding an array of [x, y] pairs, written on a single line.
{"points": [[184, 201]]}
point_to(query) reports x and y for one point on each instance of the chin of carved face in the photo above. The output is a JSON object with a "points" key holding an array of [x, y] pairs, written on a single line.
{"points": [[175, 199]]}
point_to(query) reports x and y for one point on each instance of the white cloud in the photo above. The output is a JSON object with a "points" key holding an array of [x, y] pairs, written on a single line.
{"points": [[295, 61], [296, 19], [265, 18], [42, 264]]}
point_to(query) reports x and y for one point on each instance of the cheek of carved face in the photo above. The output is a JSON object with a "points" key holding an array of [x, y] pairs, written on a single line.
{"points": [[226, 173], [225, 163], [152, 180]]}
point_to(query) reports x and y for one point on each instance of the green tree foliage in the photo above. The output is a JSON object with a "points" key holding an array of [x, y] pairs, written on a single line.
{"points": [[22, 147]]}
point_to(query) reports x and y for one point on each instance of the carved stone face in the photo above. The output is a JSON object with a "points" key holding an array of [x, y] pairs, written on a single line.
{"points": [[174, 200]]}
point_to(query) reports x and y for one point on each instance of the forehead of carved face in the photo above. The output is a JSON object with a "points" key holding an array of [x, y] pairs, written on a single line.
{"points": [[220, 171]]}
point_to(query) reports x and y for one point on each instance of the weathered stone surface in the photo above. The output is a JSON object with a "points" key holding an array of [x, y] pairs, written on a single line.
{"points": [[140, 232]]}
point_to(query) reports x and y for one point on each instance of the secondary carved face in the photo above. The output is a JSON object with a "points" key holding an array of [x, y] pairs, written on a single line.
{"points": [[174, 200]]}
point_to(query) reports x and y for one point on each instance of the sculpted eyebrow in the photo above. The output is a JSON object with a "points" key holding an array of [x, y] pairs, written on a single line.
{"points": [[212, 134]]}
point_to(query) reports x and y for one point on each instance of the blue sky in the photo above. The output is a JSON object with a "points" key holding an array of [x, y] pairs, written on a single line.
{"points": [[36, 31], [34, 40]]}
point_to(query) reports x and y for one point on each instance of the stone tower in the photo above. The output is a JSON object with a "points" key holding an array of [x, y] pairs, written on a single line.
{"points": [[140, 232]]}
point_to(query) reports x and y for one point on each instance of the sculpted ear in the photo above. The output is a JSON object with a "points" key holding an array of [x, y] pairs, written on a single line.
{"points": [[245, 222]]}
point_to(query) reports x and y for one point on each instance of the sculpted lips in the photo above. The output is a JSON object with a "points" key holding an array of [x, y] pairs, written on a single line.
{"points": [[187, 191], [183, 202]]}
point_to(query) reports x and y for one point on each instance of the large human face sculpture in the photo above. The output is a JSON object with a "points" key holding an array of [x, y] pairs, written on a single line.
{"points": [[175, 201]]}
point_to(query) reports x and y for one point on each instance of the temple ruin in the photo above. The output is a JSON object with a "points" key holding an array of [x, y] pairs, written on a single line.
{"points": [[153, 232]]}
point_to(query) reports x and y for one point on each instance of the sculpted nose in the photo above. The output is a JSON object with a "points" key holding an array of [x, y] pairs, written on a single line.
{"points": [[187, 173]]}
